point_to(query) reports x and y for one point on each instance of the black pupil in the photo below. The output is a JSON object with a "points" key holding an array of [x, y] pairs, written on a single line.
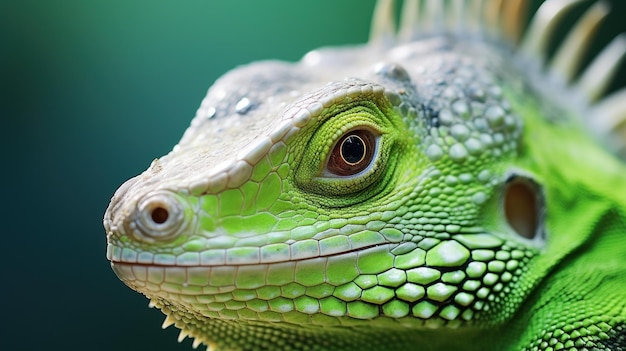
{"points": [[353, 149]]}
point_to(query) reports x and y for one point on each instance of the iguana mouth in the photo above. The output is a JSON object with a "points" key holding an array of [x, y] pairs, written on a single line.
{"points": [[452, 295], [348, 252]]}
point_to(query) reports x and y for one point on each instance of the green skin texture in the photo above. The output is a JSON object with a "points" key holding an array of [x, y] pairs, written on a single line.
{"points": [[417, 251]]}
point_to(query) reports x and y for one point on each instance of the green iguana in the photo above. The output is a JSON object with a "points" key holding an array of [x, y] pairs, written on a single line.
{"points": [[446, 186]]}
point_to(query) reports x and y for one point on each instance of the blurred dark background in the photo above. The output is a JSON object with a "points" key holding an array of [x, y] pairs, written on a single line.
{"points": [[90, 92]]}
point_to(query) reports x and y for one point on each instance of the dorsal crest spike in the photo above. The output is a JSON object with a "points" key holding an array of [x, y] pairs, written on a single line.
{"points": [[455, 17], [514, 14], [543, 26], [499, 19], [608, 119], [596, 78], [568, 58], [475, 16], [492, 13], [383, 26], [434, 15], [409, 20]]}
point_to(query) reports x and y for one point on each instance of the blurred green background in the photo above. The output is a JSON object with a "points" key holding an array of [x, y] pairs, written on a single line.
{"points": [[91, 92]]}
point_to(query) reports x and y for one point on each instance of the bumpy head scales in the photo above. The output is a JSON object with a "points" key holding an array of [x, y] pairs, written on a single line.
{"points": [[505, 21]]}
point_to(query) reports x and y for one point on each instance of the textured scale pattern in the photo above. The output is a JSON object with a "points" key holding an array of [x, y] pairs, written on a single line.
{"points": [[462, 232]]}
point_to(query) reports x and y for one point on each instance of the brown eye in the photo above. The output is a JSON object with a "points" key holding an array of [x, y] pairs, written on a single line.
{"points": [[353, 153]]}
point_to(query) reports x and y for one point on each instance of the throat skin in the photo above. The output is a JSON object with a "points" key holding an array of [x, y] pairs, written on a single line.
{"points": [[585, 225]]}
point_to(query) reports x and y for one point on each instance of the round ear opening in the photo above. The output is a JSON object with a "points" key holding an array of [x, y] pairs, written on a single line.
{"points": [[523, 206]]}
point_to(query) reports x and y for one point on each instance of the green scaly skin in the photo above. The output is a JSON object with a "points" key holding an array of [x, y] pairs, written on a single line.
{"points": [[246, 240]]}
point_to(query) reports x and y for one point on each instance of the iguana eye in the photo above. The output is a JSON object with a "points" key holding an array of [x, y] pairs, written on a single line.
{"points": [[346, 155], [352, 154]]}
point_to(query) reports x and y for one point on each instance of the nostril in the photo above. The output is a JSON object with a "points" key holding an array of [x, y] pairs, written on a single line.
{"points": [[159, 215]]}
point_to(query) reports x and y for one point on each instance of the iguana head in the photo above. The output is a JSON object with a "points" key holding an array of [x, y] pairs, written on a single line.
{"points": [[378, 187]]}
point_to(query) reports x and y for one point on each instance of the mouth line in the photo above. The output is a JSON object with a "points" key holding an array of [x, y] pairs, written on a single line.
{"points": [[144, 264]]}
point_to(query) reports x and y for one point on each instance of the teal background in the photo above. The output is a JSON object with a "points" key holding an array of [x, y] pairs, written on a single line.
{"points": [[91, 92]]}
